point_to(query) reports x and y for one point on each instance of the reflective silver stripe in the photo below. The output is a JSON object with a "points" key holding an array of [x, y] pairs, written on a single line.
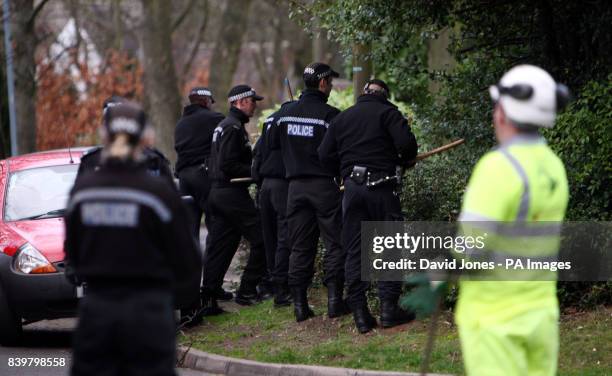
{"points": [[303, 120], [524, 205], [268, 122], [474, 217], [123, 194], [241, 95], [514, 229], [529, 229]]}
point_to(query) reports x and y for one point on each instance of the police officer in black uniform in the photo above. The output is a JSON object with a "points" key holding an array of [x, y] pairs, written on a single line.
{"points": [[313, 197], [233, 210], [269, 173], [127, 238], [156, 163], [367, 142], [192, 140]]}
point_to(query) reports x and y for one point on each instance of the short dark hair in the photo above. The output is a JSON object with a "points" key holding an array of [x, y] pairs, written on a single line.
{"points": [[314, 82], [381, 83]]}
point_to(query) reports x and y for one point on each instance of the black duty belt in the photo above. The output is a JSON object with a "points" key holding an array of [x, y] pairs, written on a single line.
{"points": [[361, 175]]}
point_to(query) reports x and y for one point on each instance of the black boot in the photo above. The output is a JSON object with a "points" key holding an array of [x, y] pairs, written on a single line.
{"points": [[392, 315], [222, 295], [265, 291], [300, 304], [336, 306], [282, 297], [246, 297], [364, 321], [209, 303]]}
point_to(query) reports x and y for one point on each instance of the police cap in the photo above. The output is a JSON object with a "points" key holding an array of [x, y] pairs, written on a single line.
{"points": [[316, 71], [242, 91], [125, 117], [201, 91]]}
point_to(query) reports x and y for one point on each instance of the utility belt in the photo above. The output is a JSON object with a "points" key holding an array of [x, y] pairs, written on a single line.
{"points": [[362, 175], [202, 167]]}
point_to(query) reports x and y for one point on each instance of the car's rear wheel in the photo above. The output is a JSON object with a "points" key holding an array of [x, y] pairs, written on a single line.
{"points": [[10, 323]]}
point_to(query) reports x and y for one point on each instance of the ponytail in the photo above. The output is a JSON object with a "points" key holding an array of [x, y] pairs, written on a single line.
{"points": [[120, 147]]}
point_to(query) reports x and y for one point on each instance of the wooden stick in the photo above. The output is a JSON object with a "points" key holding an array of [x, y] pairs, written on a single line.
{"points": [[440, 149], [241, 180], [419, 157]]}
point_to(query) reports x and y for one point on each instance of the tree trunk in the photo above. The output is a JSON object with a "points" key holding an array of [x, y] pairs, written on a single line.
{"points": [[226, 54], [162, 98], [24, 44], [362, 68]]}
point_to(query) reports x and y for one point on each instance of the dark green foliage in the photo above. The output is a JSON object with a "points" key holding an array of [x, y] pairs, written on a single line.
{"points": [[570, 39], [582, 137]]}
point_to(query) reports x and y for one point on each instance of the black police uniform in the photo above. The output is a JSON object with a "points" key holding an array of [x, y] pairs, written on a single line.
{"points": [[233, 211], [313, 197], [155, 162], [192, 140], [128, 239], [371, 134], [269, 171]]}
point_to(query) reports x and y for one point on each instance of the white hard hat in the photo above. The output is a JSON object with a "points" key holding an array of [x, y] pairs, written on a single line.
{"points": [[529, 95]]}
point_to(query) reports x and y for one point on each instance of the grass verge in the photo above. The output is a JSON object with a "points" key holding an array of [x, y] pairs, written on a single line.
{"points": [[266, 334]]}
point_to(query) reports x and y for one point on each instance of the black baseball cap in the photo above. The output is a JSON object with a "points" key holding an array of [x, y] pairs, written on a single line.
{"points": [[317, 71], [125, 117], [242, 91], [201, 91]]}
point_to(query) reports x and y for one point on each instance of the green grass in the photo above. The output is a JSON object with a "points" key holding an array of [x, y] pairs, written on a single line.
{"points": [[266, 334]]}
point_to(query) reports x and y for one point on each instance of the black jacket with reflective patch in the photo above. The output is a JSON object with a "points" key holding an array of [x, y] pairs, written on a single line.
{"points": [[268, 163], [231, 154], [298, 130], [127, 229], [372, 133]]}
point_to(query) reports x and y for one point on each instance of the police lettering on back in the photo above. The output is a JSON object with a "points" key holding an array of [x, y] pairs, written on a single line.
{"points": [[300, 130]]}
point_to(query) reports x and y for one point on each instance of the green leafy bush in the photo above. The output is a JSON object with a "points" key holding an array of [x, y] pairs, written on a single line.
{"points": [[582, 137]]}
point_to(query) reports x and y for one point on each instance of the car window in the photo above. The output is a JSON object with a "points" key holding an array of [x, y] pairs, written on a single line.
{"points": [[39, 192]]}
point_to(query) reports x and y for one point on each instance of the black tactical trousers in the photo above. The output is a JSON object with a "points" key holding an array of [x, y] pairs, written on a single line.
{"points": [[273, 210], [313, 206], [233, 216], [194, 182], [129, 332], [361, 203]]}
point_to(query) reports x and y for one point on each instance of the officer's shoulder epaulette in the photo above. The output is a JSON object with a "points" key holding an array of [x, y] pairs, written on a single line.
{"points": [[91, 152], [288, 102]]}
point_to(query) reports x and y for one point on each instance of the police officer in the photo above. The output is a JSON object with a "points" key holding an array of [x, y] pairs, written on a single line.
{"points": [[192, 140], [156, 163], [517, 194], [368, 141], [233, 210], [313, 197], [269, 172], [128, 240]]}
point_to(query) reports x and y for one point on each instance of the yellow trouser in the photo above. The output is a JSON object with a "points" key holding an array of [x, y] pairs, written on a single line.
{"points": [[527, 344]]}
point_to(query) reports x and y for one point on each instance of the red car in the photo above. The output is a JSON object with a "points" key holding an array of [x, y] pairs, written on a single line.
{"points": [[34, 191]]}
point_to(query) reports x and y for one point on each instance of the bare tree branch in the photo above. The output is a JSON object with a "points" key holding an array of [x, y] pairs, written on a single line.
{"points": [[196, 45], [30, 23], [179, 20]]}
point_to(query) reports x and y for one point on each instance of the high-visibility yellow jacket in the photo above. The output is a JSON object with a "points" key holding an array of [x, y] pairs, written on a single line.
{"points": [[517, 197]]}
